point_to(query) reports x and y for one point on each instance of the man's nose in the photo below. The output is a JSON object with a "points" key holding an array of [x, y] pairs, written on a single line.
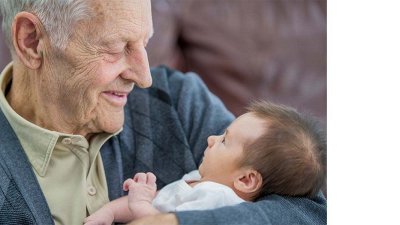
{"points": [[139, 68]]}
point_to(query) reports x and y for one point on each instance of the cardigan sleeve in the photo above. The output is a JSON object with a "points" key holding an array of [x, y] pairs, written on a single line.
{"points": [[272, 210]]}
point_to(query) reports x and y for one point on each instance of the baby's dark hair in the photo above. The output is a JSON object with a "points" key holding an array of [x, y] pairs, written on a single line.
{"points": [[290, 155]]}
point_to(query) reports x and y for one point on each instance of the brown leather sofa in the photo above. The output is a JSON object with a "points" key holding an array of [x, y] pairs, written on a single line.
{"points": [[247, 49]]}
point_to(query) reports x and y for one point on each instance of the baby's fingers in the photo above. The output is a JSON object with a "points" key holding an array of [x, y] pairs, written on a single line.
{"points": [[127, 183], [151, 179], [140, 178]]}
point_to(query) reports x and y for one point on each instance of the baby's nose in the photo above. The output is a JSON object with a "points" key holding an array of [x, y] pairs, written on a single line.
{"points": [[211, 140]]}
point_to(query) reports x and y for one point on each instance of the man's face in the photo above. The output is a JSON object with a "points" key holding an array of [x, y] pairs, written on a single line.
{"points": [[223, 154], [103, 61]]}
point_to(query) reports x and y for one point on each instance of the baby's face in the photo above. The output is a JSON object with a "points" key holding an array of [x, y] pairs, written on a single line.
{"points": [[221, 158]]}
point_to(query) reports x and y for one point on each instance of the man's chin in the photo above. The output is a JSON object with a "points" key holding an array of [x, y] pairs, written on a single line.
{"points": [[114, 129], [114, 125]]}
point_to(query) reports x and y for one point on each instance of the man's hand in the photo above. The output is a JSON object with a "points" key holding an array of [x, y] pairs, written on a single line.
{"points": [[160, 219], [142, 190]]}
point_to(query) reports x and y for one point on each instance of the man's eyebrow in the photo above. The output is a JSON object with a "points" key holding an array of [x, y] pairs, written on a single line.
{"points": [[113, 39]]}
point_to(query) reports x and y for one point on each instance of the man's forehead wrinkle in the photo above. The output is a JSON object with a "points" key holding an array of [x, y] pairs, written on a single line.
{"points": [[109, 9], [125, 21]]}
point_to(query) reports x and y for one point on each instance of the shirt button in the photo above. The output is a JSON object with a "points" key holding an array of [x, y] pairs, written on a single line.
{"points": [[91, 190], [66, 141]]}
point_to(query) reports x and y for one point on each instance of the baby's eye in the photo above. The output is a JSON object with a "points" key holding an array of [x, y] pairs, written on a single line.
{"points": [[223, 140]]}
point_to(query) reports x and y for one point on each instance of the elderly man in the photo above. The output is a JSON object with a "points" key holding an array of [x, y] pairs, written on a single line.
{"points": [[72, 129]]}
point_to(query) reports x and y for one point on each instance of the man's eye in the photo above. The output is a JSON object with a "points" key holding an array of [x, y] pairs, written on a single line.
{"points": [[112, 56], [129, 48]]}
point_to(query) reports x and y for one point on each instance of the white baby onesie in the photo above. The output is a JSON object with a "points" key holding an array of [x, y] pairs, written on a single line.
{"points": [[179, 195]]}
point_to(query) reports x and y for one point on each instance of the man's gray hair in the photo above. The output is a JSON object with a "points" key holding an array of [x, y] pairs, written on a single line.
{"points": [[58, 17]]}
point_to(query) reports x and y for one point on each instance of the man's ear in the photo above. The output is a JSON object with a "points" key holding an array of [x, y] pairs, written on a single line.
{"points": [[27, 35], [249, 181]]}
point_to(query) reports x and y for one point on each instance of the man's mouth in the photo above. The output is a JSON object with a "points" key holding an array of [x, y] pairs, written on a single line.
{"points": [[116, 98], [119, 94]]}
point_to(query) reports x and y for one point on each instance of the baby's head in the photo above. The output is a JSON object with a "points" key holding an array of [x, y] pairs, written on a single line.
{"points": [[272, 149]]}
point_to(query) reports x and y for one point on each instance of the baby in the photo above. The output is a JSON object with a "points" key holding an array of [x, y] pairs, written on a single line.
{"points": [[271, 149]]}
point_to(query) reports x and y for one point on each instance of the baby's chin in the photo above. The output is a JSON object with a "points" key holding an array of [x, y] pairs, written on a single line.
{"points": [[201, 170]]}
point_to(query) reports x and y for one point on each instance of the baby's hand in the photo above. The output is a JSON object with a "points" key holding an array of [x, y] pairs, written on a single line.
{"points": [[142, 190], [103, 216]]}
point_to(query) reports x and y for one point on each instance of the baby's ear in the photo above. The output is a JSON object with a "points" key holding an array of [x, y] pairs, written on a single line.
{"points": [[248, 181]]}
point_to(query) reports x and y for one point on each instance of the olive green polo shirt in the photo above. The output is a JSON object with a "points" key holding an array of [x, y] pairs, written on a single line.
{"points": [[69, 169]]}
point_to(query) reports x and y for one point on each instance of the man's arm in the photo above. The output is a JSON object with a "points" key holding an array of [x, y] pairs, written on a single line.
{"points": [[271, 210]]}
